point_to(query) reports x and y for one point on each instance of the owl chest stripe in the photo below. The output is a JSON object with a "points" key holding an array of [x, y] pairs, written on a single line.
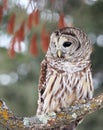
{"points": [[54, 83], [53, 86], [49, 84], [57, 85]]}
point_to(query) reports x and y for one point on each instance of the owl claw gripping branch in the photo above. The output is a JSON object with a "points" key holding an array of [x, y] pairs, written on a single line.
{"points": [[65, 71]]}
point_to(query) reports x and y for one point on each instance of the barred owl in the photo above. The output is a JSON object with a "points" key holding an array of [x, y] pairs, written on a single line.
{"points": [[65, 71]]}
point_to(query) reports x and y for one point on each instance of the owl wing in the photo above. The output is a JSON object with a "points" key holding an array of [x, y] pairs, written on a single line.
{"points": [[41, 85], [43, 72]]}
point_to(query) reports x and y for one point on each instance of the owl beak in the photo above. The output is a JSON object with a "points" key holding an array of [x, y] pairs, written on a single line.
{"points": [[59, 53]]}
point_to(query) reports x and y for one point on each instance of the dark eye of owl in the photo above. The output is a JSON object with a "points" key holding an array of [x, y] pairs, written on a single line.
{"points": [[66, 44]]}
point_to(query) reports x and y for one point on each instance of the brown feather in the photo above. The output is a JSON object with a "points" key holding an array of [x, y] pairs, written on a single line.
{"points": [[66, 79]]}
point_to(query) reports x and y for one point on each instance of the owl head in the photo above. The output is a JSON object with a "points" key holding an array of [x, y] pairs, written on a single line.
{"points": [[69, 44]]}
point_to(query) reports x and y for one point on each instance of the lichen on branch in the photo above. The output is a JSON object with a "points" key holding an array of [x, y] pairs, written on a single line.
{"points": [[52, 120]]}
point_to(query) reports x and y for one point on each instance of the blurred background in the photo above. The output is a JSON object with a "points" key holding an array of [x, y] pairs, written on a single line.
{"points": [[25, 27]]}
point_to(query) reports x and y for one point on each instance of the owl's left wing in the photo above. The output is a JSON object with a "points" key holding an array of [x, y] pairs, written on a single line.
{"points": [[41, 85]]}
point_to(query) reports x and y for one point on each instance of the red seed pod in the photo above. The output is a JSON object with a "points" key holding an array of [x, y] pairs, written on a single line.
{"points": [[10, 24], [20, 35], [11, 50], [18, 39], [1, 13], [30, 20], [61, 22], [21, 32], [5, 4], [45, 37], [36, 17], [33, 46]]}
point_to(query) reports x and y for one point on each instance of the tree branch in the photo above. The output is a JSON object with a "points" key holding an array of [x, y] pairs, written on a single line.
{"points": [[53, 120]]}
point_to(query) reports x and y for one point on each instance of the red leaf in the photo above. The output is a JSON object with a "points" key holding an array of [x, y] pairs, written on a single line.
{"points": [[36, 17], [10, 25], [45, 37], [33, 46], [1, 13], [61, 22]]}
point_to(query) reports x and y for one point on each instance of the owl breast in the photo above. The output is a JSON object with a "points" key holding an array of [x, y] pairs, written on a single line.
{"points": [[62, 88]]}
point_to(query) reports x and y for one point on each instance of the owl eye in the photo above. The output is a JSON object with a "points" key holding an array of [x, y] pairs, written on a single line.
{"points": [[66, 44]]}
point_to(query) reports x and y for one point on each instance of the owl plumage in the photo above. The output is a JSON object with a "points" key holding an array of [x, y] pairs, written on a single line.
{"points": [[65, 71]]}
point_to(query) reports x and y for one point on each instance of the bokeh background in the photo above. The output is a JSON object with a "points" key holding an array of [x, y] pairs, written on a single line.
{"points": [[20, 59]]}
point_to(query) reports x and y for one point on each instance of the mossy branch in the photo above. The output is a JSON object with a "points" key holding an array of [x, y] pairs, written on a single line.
{"points": [[53, 120]]}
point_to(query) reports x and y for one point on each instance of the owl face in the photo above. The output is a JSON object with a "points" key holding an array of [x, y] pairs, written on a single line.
{"points": [[63, 45], [69, 43]]}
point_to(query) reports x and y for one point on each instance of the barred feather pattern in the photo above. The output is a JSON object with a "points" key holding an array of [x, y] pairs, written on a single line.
{"points": [[65, 79], [63, 88]]}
